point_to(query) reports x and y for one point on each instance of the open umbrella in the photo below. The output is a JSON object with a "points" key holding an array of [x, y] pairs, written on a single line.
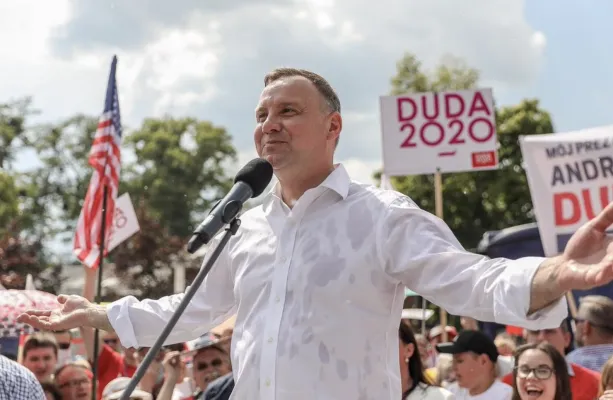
{"points": [[14, 302]]}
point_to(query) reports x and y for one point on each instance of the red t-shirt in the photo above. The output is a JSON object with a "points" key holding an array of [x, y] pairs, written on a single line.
{"points": [[583, 385], [111, 365]]}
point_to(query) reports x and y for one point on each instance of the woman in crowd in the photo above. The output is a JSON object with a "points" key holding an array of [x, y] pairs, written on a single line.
{"points": [[606, 381], [74, 381], [540, 372], [51, 392], [414, 383]]}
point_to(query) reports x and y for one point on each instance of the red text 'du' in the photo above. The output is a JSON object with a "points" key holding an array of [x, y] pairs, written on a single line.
{"points": [[570, 207]]}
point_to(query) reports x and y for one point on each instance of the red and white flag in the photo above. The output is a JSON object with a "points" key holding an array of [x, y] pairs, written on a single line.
{"points": [[105, 158]]}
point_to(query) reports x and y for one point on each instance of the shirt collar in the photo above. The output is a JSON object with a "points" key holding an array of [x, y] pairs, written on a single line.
{"points": [[338, 181]]}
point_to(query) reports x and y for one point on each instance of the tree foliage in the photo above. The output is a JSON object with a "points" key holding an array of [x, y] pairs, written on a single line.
{"points": [[475, 202]]}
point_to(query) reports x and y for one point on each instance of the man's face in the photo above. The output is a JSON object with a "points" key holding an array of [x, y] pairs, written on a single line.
{"points": [[209, 364], [557, 337], [41, 361], [293, 126], [63, 340]]}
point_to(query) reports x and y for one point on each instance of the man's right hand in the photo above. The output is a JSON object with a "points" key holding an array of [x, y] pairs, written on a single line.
{"points": [[75, 311]]}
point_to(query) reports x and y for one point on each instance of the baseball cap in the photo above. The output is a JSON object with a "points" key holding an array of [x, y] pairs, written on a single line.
{"points": [[114, 390], [473, 341], [205, 341]]}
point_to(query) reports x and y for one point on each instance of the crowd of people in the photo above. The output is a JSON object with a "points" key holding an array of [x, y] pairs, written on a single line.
{"points": [[546, 364]]}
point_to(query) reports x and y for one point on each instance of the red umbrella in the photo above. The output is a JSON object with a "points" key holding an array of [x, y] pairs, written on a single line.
{"points": [[15, 302]]}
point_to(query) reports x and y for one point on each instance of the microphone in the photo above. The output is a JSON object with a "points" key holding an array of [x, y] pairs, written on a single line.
{"points": [[250, 182]]}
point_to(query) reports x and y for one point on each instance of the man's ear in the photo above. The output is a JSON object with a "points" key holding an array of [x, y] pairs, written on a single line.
{"points": [[335, 126]]}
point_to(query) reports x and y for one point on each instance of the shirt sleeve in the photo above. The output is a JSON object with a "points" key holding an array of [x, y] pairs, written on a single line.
{"points": [[139, 323], [420, 251]]}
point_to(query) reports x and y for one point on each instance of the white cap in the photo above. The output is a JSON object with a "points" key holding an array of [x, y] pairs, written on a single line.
{"points": [[114, 389]]}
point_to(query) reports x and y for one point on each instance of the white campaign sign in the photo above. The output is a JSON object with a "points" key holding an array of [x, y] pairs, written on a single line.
{"points": [[571, 180], [449, 132], [125, 223]]}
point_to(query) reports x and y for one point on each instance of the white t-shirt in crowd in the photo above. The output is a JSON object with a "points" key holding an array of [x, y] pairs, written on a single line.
{"points": [[498, 391], [424, 392]]}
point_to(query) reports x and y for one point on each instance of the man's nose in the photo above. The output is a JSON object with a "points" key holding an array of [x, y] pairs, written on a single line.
{"points": [[271, 124]]}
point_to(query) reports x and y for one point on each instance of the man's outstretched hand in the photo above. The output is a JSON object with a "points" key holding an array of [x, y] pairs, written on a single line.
{"points": [[588, 256], [74, 312]]}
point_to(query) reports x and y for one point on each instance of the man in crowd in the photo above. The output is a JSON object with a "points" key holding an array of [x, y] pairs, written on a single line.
{"points": [[324, 258], [210, 361], [594, 333], [17, 382], [40, 353], [583, 382]]}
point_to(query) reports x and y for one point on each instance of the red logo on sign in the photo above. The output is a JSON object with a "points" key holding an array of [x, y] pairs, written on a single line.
{"points": [[483, 159]]}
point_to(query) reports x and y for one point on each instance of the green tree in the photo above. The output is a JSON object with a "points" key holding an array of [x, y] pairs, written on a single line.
{"points": [[13, 116], [9, 201], [179, 169], [475, 202]]}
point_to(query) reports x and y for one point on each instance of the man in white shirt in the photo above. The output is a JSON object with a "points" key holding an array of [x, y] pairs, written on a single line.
{"points": [[316, 274]]}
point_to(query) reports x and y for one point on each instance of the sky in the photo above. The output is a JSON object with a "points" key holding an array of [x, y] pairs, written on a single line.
{"points": [[208, 59]]}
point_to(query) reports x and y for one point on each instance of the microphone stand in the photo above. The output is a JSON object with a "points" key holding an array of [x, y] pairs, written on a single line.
{"points": [[153, 351]]}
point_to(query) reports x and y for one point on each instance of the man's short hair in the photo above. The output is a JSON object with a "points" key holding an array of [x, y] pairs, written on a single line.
{"points": [[597, 310], [40, 340], [323, 86]]}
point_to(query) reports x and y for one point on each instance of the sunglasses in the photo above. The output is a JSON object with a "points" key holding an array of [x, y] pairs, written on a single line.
{"points": [[542, 372], [64, 346], [201, 366]]}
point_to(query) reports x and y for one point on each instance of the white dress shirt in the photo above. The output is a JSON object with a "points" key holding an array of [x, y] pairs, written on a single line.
{"points": [[318, 292]]}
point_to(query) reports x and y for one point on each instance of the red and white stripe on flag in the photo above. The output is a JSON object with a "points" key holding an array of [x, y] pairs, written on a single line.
{"points": [[105, 158]]}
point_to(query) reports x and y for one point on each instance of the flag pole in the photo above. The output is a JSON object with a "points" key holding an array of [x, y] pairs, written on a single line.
{"points": [[98, 298]]}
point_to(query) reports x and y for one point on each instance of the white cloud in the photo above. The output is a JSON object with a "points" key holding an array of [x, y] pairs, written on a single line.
{"points": [[207, 59]]}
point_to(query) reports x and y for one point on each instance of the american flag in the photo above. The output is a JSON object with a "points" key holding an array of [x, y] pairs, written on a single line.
{"points": [[105, 158]]}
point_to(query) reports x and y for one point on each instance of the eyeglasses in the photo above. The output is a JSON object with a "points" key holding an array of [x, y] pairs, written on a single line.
{"points": [[75, 383], [542, 372], [64, 346], [201, 366]]}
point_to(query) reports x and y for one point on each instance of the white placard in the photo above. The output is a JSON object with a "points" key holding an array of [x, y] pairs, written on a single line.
{"points": [[125, 223], [571, 180], [449, 131]]}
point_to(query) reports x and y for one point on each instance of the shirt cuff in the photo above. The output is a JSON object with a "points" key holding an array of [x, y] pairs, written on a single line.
{"points": [[513, 301], [118, 313]]}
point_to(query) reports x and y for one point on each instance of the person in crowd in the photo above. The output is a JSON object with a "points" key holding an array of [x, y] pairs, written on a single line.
{"points": [[415, 385], [40, 352], [176, 385], [474, 363], [541, 373], [426, 351], [594, 332], [469, 324], [505, 344], [210, 361], [74, 381], [51, 391], [113, 360], [436, 334], [18, 382], [111, 340], [324, 257], [443, 372], [583, 382], [114, 390], [605, 387]]}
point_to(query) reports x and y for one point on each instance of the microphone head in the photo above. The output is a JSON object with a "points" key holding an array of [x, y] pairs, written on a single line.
{"points": [[257, 173]]}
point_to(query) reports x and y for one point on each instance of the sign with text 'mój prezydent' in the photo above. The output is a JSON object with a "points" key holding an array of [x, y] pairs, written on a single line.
{"points": [[571, 180], [447, 131]]}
